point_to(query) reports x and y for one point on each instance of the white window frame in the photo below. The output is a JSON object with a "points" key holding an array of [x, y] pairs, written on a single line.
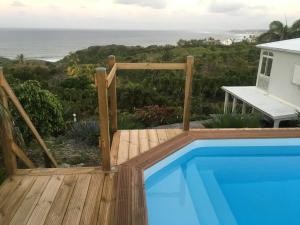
{"points": [[269, 57]]}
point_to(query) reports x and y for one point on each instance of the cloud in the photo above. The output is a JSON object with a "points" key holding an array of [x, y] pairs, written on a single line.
{"points": [[156, 4], [52, 7], [225, 7], [17, 4]]}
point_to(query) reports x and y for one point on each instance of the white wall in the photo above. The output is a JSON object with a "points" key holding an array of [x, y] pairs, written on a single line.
{"points": [[282, 73]]}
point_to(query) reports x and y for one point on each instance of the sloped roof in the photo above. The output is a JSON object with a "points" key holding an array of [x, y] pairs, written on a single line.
{"points": [[292, 45]]}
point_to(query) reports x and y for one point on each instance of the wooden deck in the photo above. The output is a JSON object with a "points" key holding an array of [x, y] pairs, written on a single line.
{"points": [[79, 196], [59, 196], [73, 196], [128, 144]]}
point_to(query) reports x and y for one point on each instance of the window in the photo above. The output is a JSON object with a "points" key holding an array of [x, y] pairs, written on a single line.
{"points": [[266, 64]]}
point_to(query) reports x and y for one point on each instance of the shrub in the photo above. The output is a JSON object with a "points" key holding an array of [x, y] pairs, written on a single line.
{"points": [[128, 121], [24, 72], [87, 132], [79, 96], [43, 108], [234, 121], [155, 115], [132, 95]]}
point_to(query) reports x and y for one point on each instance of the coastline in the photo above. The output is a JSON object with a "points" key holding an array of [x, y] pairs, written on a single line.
{"points": [[53, 45]]}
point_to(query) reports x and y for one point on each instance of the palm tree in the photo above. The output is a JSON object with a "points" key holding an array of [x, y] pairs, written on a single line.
{"points": [[21, 59], [295, 29], [278, 31]]}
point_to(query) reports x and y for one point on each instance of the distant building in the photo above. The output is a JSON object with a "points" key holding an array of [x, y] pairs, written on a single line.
{"points": [[277, 90], [227, 42]]}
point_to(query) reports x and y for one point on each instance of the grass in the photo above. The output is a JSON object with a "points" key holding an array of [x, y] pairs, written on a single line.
{"points": [[235, 121]]}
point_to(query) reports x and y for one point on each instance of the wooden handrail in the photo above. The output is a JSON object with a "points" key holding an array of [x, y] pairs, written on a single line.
{"points": [[151, 66], [106, 84], [20, 153], [26, 118], [110, 77], [6, 133]]}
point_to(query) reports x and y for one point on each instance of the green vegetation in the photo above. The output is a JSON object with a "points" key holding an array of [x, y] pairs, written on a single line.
{"points": [[235, 121], [44, 109], [52, 92], [85, 131], [145, 98], [280, 31]]}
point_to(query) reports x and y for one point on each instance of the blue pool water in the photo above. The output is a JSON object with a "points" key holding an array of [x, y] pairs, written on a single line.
{"points": [[227, 182]]}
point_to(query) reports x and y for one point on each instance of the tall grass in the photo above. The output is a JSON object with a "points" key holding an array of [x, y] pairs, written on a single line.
{"points": [[87, 132], [235, 121]]}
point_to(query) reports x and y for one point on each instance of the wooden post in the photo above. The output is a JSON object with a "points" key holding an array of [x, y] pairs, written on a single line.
{"points": [[234, 105], [226, 101], [113, 96], [10, 160], [103, 117], [188, 93]]}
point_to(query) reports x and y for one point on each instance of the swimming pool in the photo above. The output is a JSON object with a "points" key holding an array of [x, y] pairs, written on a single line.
{"points": [[226, 182]]}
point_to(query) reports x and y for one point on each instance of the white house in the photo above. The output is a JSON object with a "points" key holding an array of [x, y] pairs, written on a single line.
{"points": [[277, 90]]}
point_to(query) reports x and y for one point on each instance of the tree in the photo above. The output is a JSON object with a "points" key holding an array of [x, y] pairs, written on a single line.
{"points": [[295, 29], [43, 108], [21, 59], [278, 31]]}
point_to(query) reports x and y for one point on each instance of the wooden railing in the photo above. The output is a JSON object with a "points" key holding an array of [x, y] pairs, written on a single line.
{"points": [[107, 93], [10, 149]]}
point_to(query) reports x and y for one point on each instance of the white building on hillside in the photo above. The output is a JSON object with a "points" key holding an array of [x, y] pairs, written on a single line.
{"points": [[277, 90]]}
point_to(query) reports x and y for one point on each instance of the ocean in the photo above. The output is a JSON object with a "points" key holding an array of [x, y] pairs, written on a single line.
{"points": [[53, 44]]}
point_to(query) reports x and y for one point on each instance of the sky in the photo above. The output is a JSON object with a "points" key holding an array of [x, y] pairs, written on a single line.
{"points": [[194, 15]]}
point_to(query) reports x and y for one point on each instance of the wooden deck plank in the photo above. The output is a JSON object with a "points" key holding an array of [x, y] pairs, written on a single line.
{"points": [[134, 143], [162, 135], [112, 210], [143, 141], [59, 171], [153, 139], [128, 144], [12, 203], [77, 200], [123, 153], [115, 148], [8, 187], [61, 201], [172, 132], [23, 213], [43, 206], [108, 196], [138, 200], [92, 203]]}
